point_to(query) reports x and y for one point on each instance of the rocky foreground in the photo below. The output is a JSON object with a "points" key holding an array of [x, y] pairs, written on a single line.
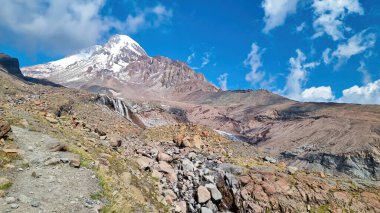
{"points": [[62, 150]]}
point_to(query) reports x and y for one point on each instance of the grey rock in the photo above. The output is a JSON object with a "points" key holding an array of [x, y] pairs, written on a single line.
{"points": [[215, 193], [14, 205], [35, 204], [24, 199], [187, 165], [52, 161], [206, 210], [270, 159], [10, 200]]}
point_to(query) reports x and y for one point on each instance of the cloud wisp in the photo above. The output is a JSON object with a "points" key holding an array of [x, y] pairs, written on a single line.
{"points": [[253, 60], [222, 81], [329, 16], [276, 12], [357, 44]]}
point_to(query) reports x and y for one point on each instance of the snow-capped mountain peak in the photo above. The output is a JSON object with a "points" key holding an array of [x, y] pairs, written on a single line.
{"points": [[113, 56], [117, 43]]}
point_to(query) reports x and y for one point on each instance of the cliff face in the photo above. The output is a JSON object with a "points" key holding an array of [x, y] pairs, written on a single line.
{"points": [[10, 65]]}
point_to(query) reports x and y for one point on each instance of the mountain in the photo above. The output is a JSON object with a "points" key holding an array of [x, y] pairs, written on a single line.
{"points": [[333, 138], [255, 152], [121, 66]]}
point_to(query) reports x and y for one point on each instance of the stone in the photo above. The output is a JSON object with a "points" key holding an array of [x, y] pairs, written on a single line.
{"points": [[203, 194], [168, 170], [14, 205], [126, 178], [5, 127], [215, 193], [13, 151], [270, 159], [206, 210], [197, 142], [187, 165], [164, 157], [52, 120], [35, 204], [144, 163], [10, 200], [75, 162], [52, 161], [2, 193], [292, 170], [115, 141], [181, 207], [24, 199]]}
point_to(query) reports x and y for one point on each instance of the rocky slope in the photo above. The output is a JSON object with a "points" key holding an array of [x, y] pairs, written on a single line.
{"points": [[143, 166]]}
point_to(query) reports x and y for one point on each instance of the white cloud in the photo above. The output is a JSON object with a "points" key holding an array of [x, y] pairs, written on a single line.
{"points": [[317, 94], [190, 58], [276, 12], [254, 61], [330, 15], [357, 44], [222, 81], [326, 56], [301, 27], [367, 94], [298, 76], [363, 70], [63, 26], [205, 60], [141, 21]]}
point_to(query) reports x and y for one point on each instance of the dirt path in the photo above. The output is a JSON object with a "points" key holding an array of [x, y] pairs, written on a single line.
{"points": [[50, 184]]}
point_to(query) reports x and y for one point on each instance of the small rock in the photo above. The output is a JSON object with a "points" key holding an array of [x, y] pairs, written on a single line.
{"points": [[36, 175], [35, 204], [144, 162], [203, 194], [52, 120], [181, 207], [75, 163], [292, 170], [30, 148], [52, 162], [270, 159], [24, 199], [2, 193], [206, 210], [14, 205], [164, 157], [10, 200]]}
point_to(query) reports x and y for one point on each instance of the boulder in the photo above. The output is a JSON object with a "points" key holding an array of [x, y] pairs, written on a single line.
{"points": [[270, 159], [206, 210], [164, 157], [215, 193], [52, 120], [181, 207], [197, 142], [292, 170], [5, 127], [144, 162], [203, 194]]}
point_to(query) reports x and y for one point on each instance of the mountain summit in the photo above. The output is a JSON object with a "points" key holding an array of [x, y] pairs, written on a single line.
{"points": [[120, 66]]}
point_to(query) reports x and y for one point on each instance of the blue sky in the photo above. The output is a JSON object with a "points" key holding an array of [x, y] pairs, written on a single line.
{"points": [[311, 50]]}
